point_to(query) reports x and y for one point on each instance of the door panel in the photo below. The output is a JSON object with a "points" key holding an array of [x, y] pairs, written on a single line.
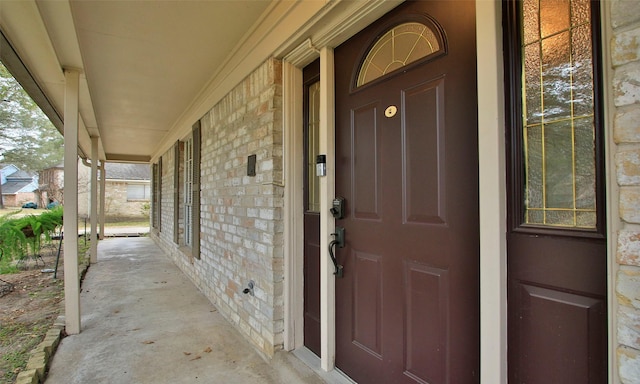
{"points": [[563, 330], [406, 162], [557, 309], [427, 305], [367, 302], [365, 171], [423, 161]]}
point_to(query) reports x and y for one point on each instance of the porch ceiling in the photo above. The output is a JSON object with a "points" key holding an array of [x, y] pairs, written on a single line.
{"points": [[142, 62], [149, 68], [146, 61]]}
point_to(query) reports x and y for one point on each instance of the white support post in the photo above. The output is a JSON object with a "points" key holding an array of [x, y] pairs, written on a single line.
{"points": [[327, 224], [93, 215], [71, 275], [103, 176]]}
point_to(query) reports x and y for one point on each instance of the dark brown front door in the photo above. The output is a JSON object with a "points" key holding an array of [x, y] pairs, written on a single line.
{"points": [[407, 308], [556, 244]]}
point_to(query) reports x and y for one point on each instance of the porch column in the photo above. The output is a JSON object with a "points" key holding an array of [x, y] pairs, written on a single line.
{"points": [[327, 224], [71, 275], [93, 213], [103, 177]]}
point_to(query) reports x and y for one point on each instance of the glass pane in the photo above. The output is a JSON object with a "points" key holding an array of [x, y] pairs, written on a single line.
{"points": [[558, 165], [558, 119], [532, 90], [533, 153], [554, 16], [585, 164], [580, 12], [582, 71], [556, 76], [313, 148], [530, 21], [397, 48], [586, 219], [535, 216], [559, 218]]}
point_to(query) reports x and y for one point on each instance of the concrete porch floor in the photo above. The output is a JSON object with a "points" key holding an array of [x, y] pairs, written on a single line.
{"points": [[143, 321]]}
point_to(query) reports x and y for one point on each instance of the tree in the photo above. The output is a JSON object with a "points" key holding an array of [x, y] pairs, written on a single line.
{"points": [[27, 138]]}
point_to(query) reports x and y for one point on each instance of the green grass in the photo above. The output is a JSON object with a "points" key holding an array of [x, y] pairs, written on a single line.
{"points": [[138, 223], [19, 212], [7, 267], [19, 339]]}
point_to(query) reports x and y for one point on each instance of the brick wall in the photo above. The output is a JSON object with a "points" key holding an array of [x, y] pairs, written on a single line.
{"points": [[241, 216], [17, 199], [625, 52], [118, 206]]}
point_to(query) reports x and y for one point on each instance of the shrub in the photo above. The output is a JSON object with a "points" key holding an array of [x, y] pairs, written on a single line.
{"points": [[18, 236]]}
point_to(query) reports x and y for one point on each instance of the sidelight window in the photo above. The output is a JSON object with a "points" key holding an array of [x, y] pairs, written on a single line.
{"points": [[313, 146], [558, 112]]}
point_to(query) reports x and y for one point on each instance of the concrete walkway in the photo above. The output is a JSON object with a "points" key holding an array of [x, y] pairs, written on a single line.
{"points": [[143, 321]]}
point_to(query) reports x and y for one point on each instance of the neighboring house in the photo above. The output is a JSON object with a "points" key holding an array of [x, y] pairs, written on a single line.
{"points": [[127, 191], [51, 185], [488, 153], [18, 187]]}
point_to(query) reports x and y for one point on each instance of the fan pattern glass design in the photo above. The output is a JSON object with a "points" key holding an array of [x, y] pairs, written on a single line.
{"points": [[400, 46]]}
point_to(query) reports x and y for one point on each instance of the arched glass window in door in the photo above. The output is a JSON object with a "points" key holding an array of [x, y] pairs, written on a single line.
{"points": [[399, 47]]}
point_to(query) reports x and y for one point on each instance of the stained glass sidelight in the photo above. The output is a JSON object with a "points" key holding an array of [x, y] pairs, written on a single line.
{"points": [[558, 114]]}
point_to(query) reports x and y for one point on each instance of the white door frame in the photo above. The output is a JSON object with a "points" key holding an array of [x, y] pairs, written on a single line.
{"points": [[492, 193]]}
